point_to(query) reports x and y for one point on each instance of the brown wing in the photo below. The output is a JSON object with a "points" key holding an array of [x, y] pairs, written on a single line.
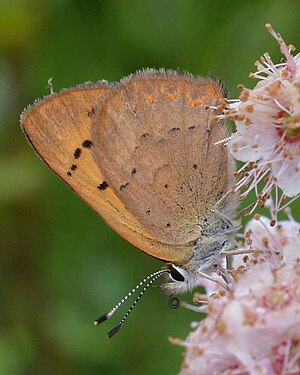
{"points": [[154, 143], [59, 129]]}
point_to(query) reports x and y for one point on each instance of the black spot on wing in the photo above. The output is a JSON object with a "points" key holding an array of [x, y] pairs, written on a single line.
{"points": [[77, 153], [124, 186], [133, 172], [179, 206], [69, 174], [91, 111], [87, 143], [103, 185], [73, 167]]}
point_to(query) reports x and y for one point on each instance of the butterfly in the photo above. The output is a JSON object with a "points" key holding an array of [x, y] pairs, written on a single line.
{"points": [[142, 154]]}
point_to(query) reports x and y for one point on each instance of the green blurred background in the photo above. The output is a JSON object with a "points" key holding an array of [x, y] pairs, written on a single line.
{"points": [[61, 266]]}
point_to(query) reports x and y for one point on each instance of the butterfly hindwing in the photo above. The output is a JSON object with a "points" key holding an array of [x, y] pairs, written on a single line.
{"points": [[155, 144]]}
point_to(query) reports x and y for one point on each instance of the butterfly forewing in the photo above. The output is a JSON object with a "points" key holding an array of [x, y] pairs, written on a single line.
{"points": [[59, 128]]}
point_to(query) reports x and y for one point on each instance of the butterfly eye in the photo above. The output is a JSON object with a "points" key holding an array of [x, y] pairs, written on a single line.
{"points": [[176, 275]]}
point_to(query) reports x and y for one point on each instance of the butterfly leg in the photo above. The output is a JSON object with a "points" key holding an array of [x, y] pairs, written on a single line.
{"points": [[211, 278], [229, 262]]}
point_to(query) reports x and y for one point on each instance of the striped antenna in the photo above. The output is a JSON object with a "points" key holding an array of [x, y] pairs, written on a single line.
{"points": [[117, 328], [149, 280]]}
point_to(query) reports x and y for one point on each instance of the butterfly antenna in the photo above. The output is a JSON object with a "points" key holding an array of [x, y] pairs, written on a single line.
{"points": [[154, 276]]}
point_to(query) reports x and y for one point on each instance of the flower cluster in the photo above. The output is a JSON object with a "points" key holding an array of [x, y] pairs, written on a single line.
{"points": [[267, 139], [254, 328]]}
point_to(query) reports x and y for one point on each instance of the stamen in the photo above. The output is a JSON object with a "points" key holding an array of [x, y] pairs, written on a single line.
{"points": [[268, 104], [268, 187], [282, 107], [276, 201], [282, 169], [275, 240], [211, 278], [240, 252], [253, 208], [202, 308], [245, 210], [256, 75], [284, 48], [289, 202], [223, 140], [286, 356], [243, 167], [294, 359], [256, 180]]}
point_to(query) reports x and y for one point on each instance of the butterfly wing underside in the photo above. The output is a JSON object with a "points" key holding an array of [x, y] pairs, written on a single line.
{"points": [[59, 129], [155, 144]]}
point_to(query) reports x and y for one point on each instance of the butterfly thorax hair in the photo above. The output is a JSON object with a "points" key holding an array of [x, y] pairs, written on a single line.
{"points": [[216, 234]]}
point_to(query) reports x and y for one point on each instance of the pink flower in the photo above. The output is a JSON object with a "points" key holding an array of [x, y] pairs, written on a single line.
{"points": [[267, 119], [280, 242], [255, 327]]}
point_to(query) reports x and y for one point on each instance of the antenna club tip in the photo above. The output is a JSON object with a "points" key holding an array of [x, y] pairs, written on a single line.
{"points": [[114, 331], [147, 282], [101, 319]]}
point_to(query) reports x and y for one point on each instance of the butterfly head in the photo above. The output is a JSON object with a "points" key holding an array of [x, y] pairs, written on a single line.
{"points": [[179, 280], [184, 278], [208, 254]]}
